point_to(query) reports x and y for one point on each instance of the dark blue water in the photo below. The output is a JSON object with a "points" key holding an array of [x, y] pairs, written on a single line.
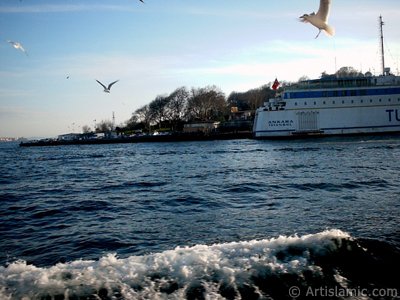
{"points": [[239, 219]]}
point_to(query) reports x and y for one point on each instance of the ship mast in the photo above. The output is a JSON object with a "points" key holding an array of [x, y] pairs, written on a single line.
{"points": [[382, 48]]}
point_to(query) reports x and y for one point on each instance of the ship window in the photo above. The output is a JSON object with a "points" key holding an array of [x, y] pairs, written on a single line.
{"points": [[343, 102], [370, 100], [361, 101], [295, 103], [390, 100], [333, 102], [315, 103], [380, 100], [305, 103], [324, 102], [352, 101]]}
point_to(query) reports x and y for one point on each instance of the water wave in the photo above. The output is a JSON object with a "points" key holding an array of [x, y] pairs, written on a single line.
{"points": [[257, 269]]}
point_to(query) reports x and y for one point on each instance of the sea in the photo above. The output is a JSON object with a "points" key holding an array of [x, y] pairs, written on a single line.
{"points": [[236, 219]]}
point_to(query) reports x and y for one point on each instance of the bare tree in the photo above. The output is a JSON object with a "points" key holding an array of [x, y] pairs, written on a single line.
{"points": [[158, 109], [348, 72], [144, 115], [256, 98], [303, 78], [86, 129], [132, 122], [104, 126], [176, 105], [252, 99], [206, 103]]}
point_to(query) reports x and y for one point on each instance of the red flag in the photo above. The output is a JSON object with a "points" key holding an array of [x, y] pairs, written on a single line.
{"points": [[275, 85]]}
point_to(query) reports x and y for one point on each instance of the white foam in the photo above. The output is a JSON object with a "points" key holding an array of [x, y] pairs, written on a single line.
{"points": [[171, 273]]}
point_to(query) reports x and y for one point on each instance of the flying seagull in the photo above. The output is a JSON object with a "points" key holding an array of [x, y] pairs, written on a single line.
{"points": [[141, 1], [17, 45], [320, 20], [107, 89]]}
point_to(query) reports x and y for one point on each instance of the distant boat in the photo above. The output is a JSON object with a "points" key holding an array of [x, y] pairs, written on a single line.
{"points": [[333, 105]]}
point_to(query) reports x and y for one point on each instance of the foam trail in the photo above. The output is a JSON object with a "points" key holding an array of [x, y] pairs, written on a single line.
{"points": [[221, 271]]}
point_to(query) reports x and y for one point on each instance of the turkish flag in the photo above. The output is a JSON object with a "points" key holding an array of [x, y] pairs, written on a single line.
{"points": [[275, 85]]}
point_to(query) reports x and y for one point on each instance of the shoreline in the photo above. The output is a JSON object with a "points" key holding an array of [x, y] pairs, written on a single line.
{"points": [[194, 137], [142, 139]]}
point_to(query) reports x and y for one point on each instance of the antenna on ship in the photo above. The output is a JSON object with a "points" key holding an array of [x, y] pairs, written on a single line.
{"points": [[381, 23]]}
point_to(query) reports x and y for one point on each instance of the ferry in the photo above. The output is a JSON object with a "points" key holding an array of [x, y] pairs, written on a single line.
{"points": [[333, 105]]}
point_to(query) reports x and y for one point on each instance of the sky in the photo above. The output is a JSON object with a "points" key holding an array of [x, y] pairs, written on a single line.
{"points": [[152, 48]]}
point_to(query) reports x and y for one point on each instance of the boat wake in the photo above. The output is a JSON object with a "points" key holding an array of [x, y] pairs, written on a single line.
{"points": [[273, 268]]}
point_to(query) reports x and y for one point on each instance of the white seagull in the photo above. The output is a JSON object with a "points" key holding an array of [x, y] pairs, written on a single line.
{"points": [[320, 20], [17, 45], [107, 89]]}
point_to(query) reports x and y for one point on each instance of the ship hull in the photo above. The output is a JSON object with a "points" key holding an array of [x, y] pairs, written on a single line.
{"points": [[350, 120]]}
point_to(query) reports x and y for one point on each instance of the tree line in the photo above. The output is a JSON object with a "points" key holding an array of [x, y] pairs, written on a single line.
{"points": [[205, 104], [182, 105]]}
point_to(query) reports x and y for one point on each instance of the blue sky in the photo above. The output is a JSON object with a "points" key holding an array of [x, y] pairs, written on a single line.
{"points": [[156, 47]]}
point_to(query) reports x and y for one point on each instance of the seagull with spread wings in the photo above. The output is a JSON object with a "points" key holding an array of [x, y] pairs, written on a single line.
{"points": [[107, 88], [320, 19], [18, 46]]}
